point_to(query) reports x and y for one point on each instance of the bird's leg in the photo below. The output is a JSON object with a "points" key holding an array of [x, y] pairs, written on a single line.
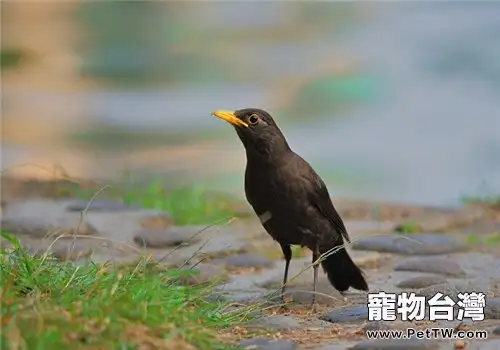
{"points": [[315, 256], [287, 254]]}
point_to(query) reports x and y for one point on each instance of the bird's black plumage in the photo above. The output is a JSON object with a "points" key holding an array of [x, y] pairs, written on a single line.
{"points": [[291, 199]]}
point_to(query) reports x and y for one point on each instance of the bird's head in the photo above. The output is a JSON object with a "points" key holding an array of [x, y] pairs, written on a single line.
{"points": [[257, 130]]}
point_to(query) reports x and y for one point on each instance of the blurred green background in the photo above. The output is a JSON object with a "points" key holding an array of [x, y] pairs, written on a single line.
{"points": [[387, 100]]}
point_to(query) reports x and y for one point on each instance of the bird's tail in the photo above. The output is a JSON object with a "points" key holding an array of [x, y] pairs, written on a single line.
{"points": [[342, 272]]}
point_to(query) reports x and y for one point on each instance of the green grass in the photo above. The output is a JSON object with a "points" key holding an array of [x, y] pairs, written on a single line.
{"points": [[493, 200], [52, 305], [473, 240], [10, 57], [189, 205], [409, 227], [489, 240], [298, 251]]}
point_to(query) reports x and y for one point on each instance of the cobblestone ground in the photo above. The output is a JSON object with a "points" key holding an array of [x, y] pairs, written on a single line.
{"points": [[455, 251]]}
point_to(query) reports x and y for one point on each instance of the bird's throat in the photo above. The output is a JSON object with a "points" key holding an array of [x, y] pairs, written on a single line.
{"points": [[275, 152]]}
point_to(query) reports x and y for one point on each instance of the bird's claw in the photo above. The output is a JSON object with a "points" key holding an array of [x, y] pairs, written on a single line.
{"points": [[313, 305], [283, 308]]}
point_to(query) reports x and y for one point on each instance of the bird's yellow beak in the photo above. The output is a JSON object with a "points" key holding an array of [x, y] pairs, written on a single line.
{"points": [[230, 118]]}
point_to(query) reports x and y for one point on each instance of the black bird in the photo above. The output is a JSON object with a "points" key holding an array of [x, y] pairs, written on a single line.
{"points": [[291, 200]]}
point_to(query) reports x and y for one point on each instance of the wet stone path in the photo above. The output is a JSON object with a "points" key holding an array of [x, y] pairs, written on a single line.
{"points": [[249, 266]]}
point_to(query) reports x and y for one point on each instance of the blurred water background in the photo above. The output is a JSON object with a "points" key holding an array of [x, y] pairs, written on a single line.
{"points": [[387, 100]]}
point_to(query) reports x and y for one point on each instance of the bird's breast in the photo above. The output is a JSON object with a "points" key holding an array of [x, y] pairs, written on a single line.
{"points": [[262, 188], [281, 206]]}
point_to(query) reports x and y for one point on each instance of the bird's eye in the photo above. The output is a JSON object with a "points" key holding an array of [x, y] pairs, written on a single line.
{"points": [[253, 119]]}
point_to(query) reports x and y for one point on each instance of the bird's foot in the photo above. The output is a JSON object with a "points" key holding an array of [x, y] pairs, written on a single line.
{"points": [[283, 305], [314, 308], [283, 308], [313, 304]]}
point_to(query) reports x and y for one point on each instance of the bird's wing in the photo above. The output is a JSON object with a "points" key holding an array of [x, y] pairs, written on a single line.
{"points": [[320, 198]]}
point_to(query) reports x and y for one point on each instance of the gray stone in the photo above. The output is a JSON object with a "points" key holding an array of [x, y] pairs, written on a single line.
{"points": [[277, 323], [214, 242], [250, 297], [493, 344], [88, 248], [300, 288], [492, 309], [450, 289], [305, 295], [243, 310], [376, 325], [482, 228], [337, 344], [167, 237], [40, 226], [67, 250], [268, 344], [415, 244], [496, 330], [348, 314], [393, 344], [39, 218], [480, 266], [215, 298], [120, 226], [420, 282], [98, 205], [247, 260], [432, 264], [114, 261], [302, 293], [203, 274]]}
